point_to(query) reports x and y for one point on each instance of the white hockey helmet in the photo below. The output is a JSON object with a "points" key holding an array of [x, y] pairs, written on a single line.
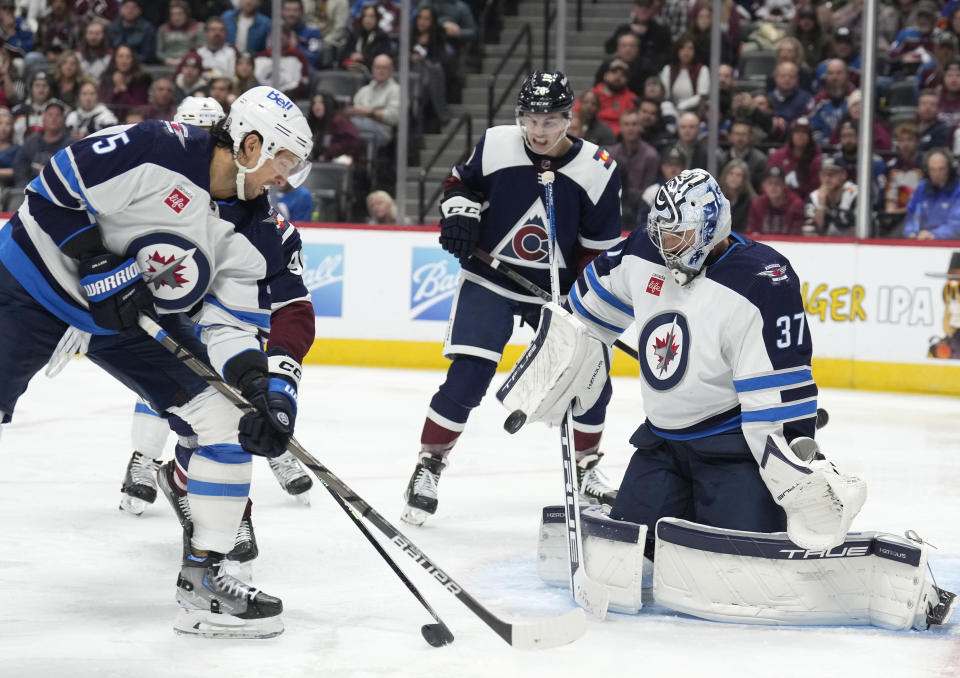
{"points": [[199, 111], [690, 215], [282, 126]]}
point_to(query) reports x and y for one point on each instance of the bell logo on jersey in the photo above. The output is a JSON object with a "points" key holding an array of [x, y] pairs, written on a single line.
{"points": [[178, 199], [174, 268], [323, 276], [655, 285], [663, 342], [433, 282], [527, 244]]}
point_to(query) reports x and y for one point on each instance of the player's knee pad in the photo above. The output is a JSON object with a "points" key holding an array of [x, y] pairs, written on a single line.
{"points": [[612, 554], [467, 381], [764, 578], [211, 416]]}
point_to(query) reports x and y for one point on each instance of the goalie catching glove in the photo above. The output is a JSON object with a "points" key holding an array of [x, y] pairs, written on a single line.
{"points": [[563, 365], [820, 502]]}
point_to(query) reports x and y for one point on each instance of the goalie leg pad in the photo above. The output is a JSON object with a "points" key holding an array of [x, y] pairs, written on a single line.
{"points": [[563, 364], [760, 578], [612, 554]]}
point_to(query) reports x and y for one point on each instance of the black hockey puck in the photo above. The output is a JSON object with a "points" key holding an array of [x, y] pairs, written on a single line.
{"points": [[437, 635], [823, 418], [513, 423]]}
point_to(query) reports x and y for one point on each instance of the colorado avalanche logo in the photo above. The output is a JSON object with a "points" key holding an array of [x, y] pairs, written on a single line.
{"points": [[174, 268], [527, 243], [664, 345]]}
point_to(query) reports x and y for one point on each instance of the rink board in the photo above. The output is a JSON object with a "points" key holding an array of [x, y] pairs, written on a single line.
{"points": [[382, 296]]}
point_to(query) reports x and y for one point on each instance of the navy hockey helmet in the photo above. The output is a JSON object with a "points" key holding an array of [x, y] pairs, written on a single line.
{"points": [[545, 92]]}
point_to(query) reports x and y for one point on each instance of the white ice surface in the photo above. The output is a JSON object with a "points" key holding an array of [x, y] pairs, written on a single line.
{"points": [[86, 590]]}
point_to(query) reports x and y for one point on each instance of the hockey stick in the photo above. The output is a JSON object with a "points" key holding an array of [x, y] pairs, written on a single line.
{"points": [[589, 594], [823, 417], [543, 634]]}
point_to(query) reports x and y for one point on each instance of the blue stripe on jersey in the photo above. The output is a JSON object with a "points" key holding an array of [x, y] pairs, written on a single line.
{"points": [[249, 317], [143, 408], [76, 233], [203, 488], [55, 187], [728, 425], [777, 380], [64, 163], [587, 315], [37, 186], [772, 414], [738, 240], [224, 453], [32, 280], [604, 293]]}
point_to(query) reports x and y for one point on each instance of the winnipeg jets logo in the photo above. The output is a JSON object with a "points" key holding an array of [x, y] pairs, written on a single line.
{"points": [[174, 268], [181, 132], [162, 270], [527, 243], [664, 346], [776, 272]]}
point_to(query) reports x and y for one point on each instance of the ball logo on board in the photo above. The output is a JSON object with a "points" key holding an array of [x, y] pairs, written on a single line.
{"points": [[323, 277], [433, 282]]}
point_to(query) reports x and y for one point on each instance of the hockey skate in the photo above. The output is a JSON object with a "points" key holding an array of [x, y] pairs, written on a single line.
{"points": [[421, 492], [593, 485], [215, 604], [291, 476], [179, 502], [139, 487]]}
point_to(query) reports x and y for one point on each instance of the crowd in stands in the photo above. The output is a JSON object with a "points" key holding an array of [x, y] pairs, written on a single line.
{"points": [[790, 103], [69, 68]]}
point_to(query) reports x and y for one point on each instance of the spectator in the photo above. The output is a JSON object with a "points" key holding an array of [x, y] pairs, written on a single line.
{"points": [[688, 145], [13, 32], [743, 107], [638, 163], [309, 38], [132, 30], [654, 38], [934, 133], [652, 131], [742, 148], [850, 16], [90, 115], [221, 91], [295, 204], [849, 152], [8, 149], [366, 41], [204, 10], [881, 136], [613, 94], [430, 50], [950, 95], [806, 29], [945, 50], [790, 49], [376, 106], [726, 79], [735, 183], [653, 89], [247, 29], [700, 32], [798, 160], [180, 35], [334, 135], [124, 84], [294, 73], [40, 147], [575, 128], [93, 50], [671, 164], [788, 99], [381, 208], [191, 78], [843, 48], [673, 16], [953, 22], [593, 130], [162, 101], [136, 115], [893, 18], [28, 116], [388, 16], [778, 211], [56, 31], [332, 17], [685, 80], [217, 57], [244, 77], [933, 212], [914, 43], [904, 174], [830, 105], [11, 87], [832, 208], [66, 78], [628, 49], [456, 19]]}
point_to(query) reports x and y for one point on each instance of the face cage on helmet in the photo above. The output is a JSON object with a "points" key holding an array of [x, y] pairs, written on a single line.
{"points": [[678, 262]]}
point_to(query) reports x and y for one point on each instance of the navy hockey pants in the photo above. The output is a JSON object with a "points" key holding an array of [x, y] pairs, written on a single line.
{"points": [[713, 481]]}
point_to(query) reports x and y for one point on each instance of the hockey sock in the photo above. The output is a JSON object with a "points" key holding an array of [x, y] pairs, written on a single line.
{"points": [[586, 443], [148, 431], [218, 486]]}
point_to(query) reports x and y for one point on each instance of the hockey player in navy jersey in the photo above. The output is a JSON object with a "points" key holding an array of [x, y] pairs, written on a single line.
{"points": [[495, 201], [123, 223]]}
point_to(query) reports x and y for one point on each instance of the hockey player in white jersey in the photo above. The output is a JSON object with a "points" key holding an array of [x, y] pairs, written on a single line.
{"points": [[726, 455], [495, 201], [122, 223]]}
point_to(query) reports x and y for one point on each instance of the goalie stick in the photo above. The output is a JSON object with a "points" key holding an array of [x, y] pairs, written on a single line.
{"points": [[541, 634], [590, 595]]}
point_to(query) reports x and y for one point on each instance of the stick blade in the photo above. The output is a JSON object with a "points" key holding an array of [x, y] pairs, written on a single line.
{"points": [[591, 595], [549, 633]]}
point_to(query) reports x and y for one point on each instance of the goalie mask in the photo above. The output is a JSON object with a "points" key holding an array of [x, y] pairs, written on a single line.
{"points": [[544, 109], [690, 216]]}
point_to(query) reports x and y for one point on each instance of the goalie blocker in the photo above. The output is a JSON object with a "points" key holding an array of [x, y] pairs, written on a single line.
{"points": [[871, 578]]}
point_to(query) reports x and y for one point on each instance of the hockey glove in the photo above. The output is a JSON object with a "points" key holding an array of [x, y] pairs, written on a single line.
{"points": [[460, 225], [116, 291]]}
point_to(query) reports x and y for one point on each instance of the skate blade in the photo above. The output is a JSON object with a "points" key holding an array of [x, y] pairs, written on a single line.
{"points": [[207, 624], [414, 516], [133, 505], [303, 498]]}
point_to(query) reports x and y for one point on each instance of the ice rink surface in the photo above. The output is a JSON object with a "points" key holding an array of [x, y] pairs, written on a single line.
{"points": [[86, 590]]}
